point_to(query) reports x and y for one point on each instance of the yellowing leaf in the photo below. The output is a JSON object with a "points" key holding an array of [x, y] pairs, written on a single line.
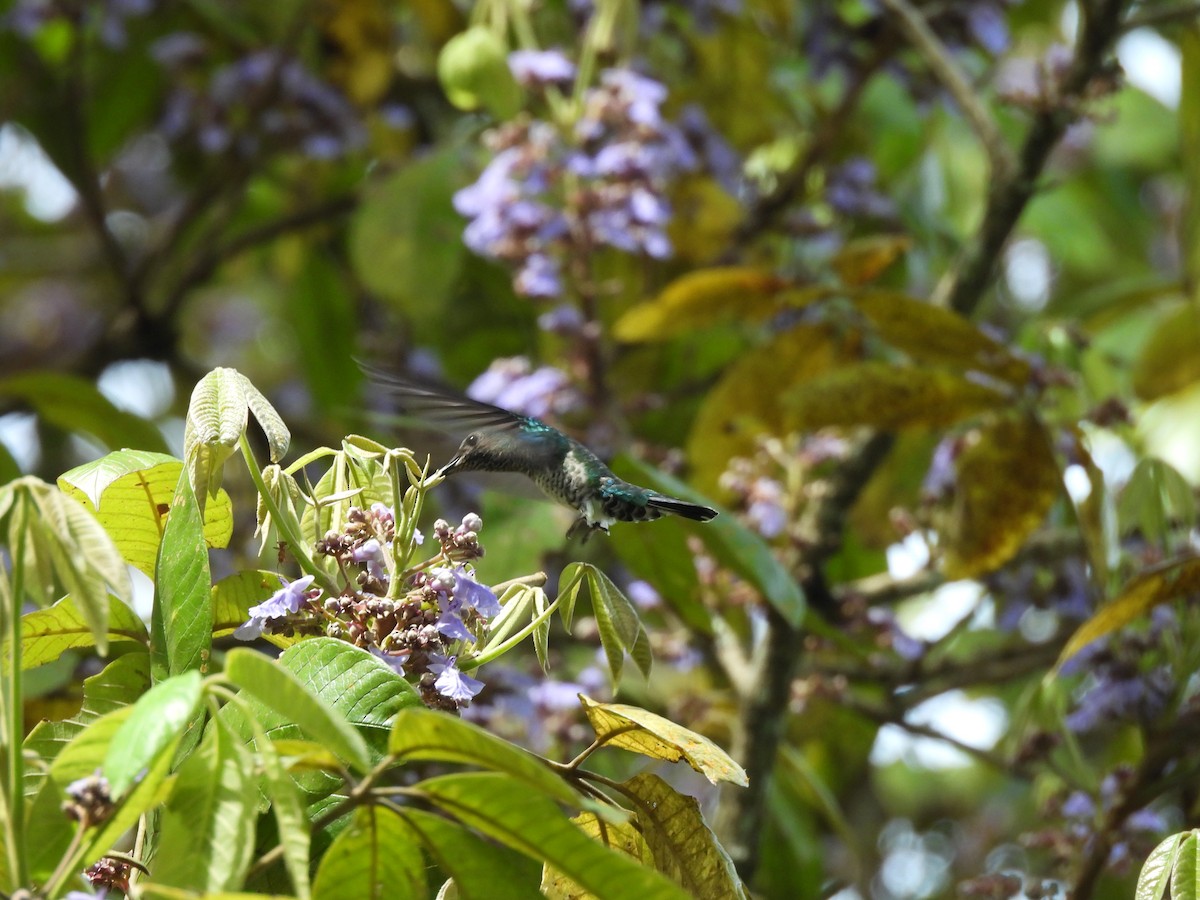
{"points": [[863, 260], [641, 731], [705, 216], [887, 397], [1169, 360], [357, 39], [702, 299], [683, 846], [746, 403], [933, 334], [1006, 482], [1147, 590], [623, 837]]}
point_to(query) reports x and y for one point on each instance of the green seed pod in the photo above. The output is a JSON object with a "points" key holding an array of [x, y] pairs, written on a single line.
{"points": [[473, 69]]}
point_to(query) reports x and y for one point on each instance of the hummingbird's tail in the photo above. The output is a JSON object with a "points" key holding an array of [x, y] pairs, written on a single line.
{"points": [[693, 511]]}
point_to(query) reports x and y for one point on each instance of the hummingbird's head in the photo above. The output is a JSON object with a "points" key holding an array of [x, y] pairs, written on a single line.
{"points": [[490, 451]]}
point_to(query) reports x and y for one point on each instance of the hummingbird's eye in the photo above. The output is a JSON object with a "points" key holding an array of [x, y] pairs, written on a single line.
{"points": [[471, 440]]}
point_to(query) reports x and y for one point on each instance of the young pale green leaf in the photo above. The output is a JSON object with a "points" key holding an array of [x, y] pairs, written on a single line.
{"points": [[290, 818], [216, 418], [481, 870], [1155, 876], [278, 688], [572, 578], [130, 493], [503, 808], [75, 404], [733, 545], [181, 621], [617, 621], [1153, 587], [269, 420], [1167, 361], [622, 837], [1006, 481], [541, 634], [1185, 877], [376, 858], [683, 846], [154, 724], [1154, 499], [422, 734], [641, 731], [48, 633], [886, 396], [207, 827], [703, 299]]}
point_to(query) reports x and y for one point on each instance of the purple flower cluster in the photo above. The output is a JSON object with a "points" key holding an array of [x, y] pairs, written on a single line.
{"points": [[258, 103], [108, 18], [549, 194], [515, 385], [419, 634]]}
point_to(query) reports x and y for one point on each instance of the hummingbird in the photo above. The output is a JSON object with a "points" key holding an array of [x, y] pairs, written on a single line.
{"points": [[499, 440]]}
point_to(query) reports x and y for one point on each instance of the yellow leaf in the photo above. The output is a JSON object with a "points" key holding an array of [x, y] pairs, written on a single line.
{"points": [[702, 299], [886, 396], [863, 260], [683, 846], [622, 837], [357, 41], [746, 403], [1149, 589], [640, 731], [1169, 360], [703, 221], [932, 334], [1006, 482]]}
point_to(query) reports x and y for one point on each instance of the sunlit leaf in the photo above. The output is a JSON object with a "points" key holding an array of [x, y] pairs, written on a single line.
{"points": [[232, 598], [649, 734], [1006, 481], [154, 725], [290, 819], [1156, 871], [130, 492], [1147, 590], [181, 622], [1186, 872], [622, 837], [683, 846], [886, 397], [504, 809], [864, 259], [702, 299], [47, 633], [621, 630], [376, 858]]}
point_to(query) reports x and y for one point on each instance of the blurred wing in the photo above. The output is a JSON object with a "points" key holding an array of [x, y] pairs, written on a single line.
{"points": [[441, 407]]}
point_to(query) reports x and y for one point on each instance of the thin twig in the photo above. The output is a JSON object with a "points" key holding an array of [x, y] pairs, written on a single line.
{"points": [[954, 80]]}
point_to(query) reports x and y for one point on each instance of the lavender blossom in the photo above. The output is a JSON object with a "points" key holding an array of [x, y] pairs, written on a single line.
{"points": [[288, 599], [538, 68], [451, 681]]}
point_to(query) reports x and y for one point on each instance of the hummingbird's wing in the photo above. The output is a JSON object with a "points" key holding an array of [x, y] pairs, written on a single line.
{"points": [[442, 408]]}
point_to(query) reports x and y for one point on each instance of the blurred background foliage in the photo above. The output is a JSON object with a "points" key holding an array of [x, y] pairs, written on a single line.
{"points": [[909, 287]]}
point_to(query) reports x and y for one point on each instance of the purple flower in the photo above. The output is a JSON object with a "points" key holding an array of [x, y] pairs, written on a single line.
{"points": [[535, 68], [1078, 806], [475, 595], [642, 95], [397, 661], [449, 621], [538, 277], [372, 553], [513, 384], [451, 682], [288, 599], [643, 594]]}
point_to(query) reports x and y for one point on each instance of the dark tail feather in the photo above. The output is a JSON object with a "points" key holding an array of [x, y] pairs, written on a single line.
{"points": [[693, 511]]}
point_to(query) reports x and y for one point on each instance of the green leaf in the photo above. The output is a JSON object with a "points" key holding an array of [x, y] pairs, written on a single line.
{"points": [[1189, 139], [503, 808], [733, 545], [474, 73], [1150, 588], [406, 239], [290, 819], [683, 846], [216, 418], [422, 734], [323, 317], [280, 689], [376, 857], [481, 869], [1155, 876], [1167, 361], [621, 631], [48, 633], [207, 826], [641, 731], [155, 723], [1155, 499], [76, 405], [1186, 871], [181, 622], [623, 837], [130, 493], [862, 260]]}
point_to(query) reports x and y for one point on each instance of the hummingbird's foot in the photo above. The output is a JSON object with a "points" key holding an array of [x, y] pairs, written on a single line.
{"points": [[583, 525]]}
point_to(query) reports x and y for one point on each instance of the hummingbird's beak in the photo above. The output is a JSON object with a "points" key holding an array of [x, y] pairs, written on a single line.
{"points": [[452, 465]]}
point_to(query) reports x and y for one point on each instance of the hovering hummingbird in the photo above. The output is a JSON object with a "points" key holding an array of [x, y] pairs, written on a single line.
{"points": [[503, 441]]}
